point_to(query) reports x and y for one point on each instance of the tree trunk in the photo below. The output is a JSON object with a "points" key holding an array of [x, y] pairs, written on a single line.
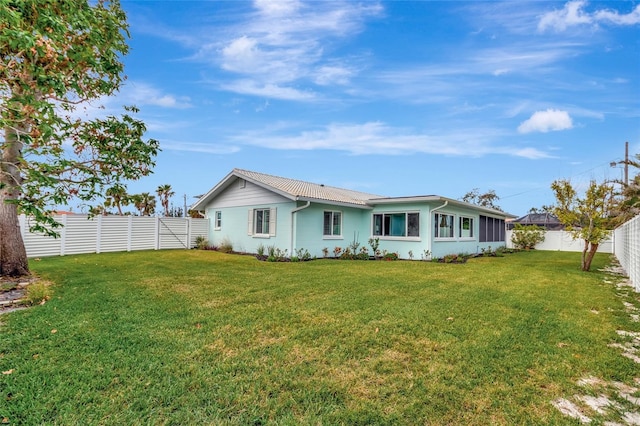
{"points": [[586, 266], [13, 255], [583, 260]]}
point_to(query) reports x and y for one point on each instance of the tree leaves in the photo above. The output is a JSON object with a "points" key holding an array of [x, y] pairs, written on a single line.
{"points": [[55, 56]]}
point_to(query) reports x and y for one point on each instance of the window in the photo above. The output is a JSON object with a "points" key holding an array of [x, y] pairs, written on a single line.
{"points": [[443, 225], [332, 224], [466, 227], [396, 224], [217, 219], [262, 222], [491, 229]]}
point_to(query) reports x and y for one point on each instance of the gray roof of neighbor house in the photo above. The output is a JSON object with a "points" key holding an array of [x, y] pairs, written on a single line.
{"points": [[294, 189], [547, 220]]}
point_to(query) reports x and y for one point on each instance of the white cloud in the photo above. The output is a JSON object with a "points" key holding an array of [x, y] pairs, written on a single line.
{"points": [[277, 8], [545, 121], [286, 43], [377, 138], [573, 14], [274, 91], [141, 93], [632, 18], [205, 148], [331, 74]]}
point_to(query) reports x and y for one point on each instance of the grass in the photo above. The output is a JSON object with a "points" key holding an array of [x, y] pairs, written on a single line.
{"points": [[202, 337]]}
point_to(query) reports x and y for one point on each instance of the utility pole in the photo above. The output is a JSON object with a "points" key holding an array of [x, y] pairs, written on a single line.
{"points": [[184, 213], [626, 164]]}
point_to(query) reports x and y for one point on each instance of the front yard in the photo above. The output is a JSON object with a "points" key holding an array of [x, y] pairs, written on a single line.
{"points": [[202, 337]]}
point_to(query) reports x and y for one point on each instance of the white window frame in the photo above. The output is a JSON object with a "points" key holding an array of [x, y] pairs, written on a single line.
{"points": [[437, 219], [270, 224], [217, 220], [333, 214], [461, 229], [406, 235]]}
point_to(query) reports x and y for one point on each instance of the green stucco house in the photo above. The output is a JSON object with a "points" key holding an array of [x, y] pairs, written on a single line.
{"points": [[250, 209]]}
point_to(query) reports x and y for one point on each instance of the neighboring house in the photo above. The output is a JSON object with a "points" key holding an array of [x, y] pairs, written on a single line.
{"points": [[250, 209], [545, 220]]}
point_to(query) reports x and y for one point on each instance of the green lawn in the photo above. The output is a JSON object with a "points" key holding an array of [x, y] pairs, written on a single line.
{"points": [[201, 337]]}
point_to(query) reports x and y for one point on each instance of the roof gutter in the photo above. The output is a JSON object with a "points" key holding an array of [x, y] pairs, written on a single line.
{"points": [[293, 225]]}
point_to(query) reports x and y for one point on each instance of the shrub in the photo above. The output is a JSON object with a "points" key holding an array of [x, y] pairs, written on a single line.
{"points": [[274, 254], [201, 242], [390, 256], [302, 254], [226, 246], [425, 255], [525, 237], [374, 243], [364, 253]]}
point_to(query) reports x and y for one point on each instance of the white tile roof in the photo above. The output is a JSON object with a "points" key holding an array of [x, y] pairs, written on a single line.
{"points": [[298, 189]]}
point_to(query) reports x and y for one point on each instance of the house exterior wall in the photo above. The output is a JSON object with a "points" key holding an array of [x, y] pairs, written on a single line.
{"points": [[309, 228], [443, 246], [234, 203], [299, 226], [427, 244]]}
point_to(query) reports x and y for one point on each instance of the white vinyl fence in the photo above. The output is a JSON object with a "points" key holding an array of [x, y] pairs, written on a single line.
{"points": [[627, 249], [563, 241], [114, 233]]}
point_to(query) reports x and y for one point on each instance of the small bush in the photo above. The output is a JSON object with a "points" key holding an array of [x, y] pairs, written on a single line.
{"points": [[364, 253], [525, 237], [390, 256], [375, 244], [225, 246], [274, 254], [302, 254], [201, 242]]}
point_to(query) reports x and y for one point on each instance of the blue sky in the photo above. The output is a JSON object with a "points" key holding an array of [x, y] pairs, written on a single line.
{"points": [[392, 97]]}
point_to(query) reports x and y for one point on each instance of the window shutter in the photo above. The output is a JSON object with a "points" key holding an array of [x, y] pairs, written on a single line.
{"points": [[272, 222], [250, 226]]}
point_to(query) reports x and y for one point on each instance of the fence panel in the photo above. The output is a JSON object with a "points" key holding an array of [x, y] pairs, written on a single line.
{"points": [[199, 227], [627, 249], [144, 233], [563, 241], [113, 233], [173, 233], [79, 235], [36, 244]]}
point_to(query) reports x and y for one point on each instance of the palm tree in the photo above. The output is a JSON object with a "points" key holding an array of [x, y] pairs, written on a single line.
{"points": [[145, 203], [117, 197], [165, 193]]}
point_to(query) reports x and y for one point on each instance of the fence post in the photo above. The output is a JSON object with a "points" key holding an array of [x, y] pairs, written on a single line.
{"points": [[98, 233], [22, 220], [129, 231], [157, 234], [63, 234], [189, 228]]}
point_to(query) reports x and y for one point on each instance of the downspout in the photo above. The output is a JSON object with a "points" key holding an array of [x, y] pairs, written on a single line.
{"points": [[293, 225], [430, 241]]}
